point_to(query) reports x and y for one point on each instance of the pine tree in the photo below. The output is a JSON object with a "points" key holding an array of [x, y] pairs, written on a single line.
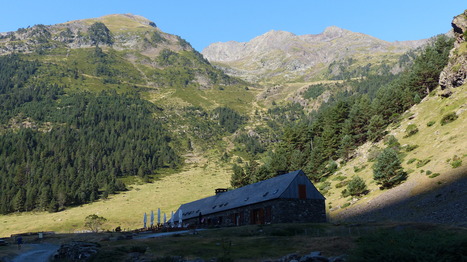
{"points": [[356, 186], [387, 171]]}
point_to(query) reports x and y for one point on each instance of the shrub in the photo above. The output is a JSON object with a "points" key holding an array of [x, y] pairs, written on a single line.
{"points": [[345, 193], [409, 148], [342, 183], [421, 163], [411, 130], [357, 169], [432, 122], [339, 178], [448, 118], [391, 141], [410, 161], [434, 175], [356, 186], [324, 186], [456, 163], [345, 205]]}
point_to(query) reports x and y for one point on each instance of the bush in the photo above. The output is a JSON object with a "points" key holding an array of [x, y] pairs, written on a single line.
{"points": [[356, 186], [410, 161], [448, 118], [411, 130], [434, 175], [342, 184], [456, 163], [345, 205], [432, 122], [409, 148], [324, 186], [345, 193], [421, 163], [357, 169], [339, 178], [391, 141]]}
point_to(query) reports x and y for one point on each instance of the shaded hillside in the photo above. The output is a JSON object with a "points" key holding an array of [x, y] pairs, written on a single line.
{"points": [[280, 56]]}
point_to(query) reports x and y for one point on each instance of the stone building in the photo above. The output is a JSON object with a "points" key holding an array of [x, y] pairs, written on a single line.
{"points": [[286, 198]]}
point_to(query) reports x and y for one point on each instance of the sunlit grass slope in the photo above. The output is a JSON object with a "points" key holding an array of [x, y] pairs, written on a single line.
{"points": [[431, 162], [127, 208]]}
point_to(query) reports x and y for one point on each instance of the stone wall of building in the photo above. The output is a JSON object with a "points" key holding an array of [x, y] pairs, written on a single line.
{"points": [[273, 211]]}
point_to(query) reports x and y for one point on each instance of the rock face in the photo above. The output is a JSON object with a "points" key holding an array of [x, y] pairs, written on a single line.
{"points": [[288, 56], [455, 73]]}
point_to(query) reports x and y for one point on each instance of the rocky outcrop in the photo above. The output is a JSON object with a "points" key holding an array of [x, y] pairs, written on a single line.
{"points": [[455, 73], [76, 251], [279, 54]]}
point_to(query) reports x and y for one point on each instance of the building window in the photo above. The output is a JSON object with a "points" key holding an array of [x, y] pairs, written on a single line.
{"points": [[302, 191]]}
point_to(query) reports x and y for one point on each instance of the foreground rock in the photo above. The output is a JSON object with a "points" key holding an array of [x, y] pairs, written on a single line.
{"points": [[76, 251]]}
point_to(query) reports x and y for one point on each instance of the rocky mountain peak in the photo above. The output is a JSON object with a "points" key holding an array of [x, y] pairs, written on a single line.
{"points": [[334, 31]]}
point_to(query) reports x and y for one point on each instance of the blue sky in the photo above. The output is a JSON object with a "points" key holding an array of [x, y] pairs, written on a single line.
{"points": [[203, 22]]}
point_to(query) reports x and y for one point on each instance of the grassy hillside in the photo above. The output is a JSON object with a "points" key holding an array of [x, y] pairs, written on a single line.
{"points": [[126, 209], [435, 155]]}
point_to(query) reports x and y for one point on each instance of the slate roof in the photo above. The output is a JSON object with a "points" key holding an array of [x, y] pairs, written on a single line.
{"points": [[251, 194]]}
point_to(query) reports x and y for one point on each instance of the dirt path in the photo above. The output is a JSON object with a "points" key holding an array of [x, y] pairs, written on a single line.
{"points": [[36, 252]]}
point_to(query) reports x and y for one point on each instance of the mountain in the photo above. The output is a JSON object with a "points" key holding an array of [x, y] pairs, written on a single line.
{"points": [[283, 56], [86, 104], [98, 106], [136, 43]]}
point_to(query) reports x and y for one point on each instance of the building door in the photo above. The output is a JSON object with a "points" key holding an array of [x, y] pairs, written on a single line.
{"points": [[257, 216]]}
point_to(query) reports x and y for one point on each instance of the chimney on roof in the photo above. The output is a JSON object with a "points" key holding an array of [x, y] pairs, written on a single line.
{"points": [[220, 190]]}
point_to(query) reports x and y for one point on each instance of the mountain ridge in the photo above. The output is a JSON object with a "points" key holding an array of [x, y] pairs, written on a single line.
{"points": [[284, 55]]}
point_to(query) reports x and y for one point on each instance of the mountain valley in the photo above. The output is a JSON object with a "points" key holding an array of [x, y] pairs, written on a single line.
{"points": [[112, 116]]}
